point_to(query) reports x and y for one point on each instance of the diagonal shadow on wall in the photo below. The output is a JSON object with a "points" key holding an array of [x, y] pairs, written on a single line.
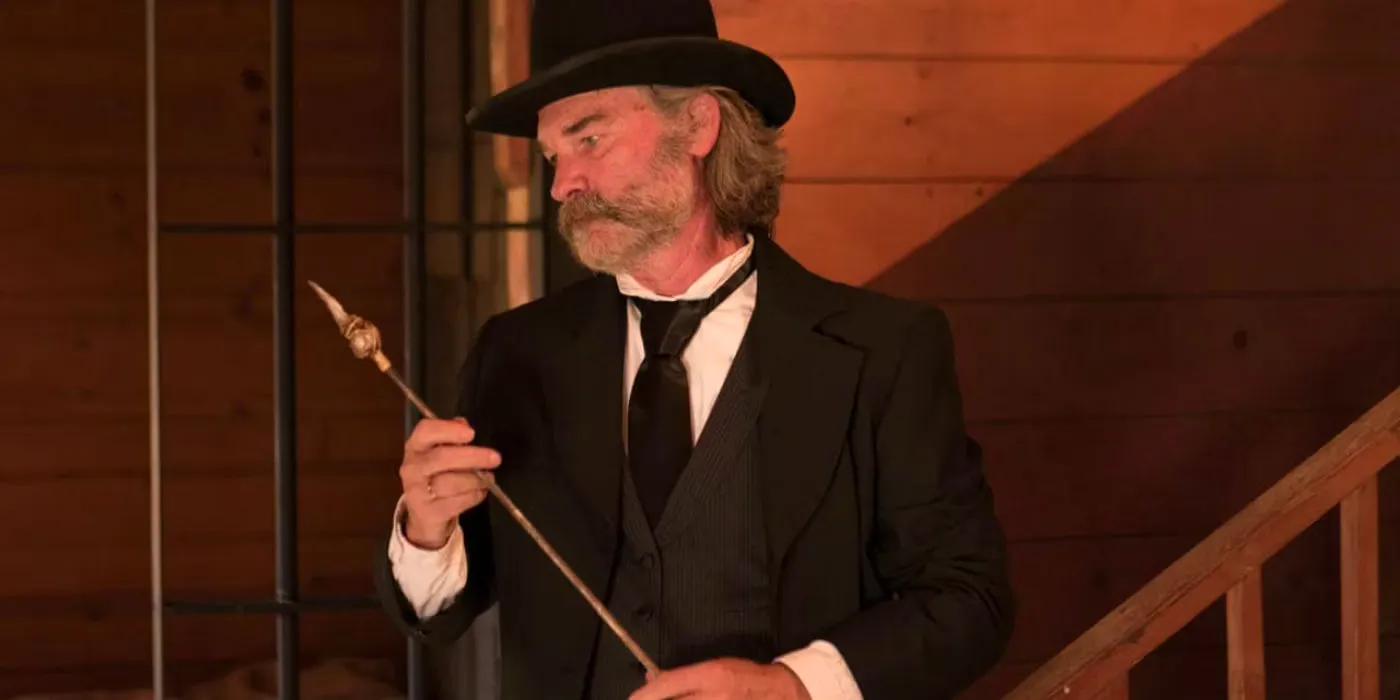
{"points": [[1224, 250]]}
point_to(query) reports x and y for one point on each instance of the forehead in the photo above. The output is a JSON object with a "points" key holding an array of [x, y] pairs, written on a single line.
{"points": [[619, 102]]}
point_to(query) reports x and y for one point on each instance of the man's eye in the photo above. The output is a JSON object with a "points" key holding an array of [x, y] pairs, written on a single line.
{"points": [[590, 140]]}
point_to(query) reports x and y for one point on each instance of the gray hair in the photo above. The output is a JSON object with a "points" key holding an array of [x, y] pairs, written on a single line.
{"points": [[743, 173]]}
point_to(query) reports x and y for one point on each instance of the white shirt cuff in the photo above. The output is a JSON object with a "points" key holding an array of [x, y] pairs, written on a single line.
{"points": [[823, 671], [430, 579]]}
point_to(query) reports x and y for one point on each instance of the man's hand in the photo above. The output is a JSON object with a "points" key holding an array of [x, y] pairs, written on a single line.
{"points": [[725, 679], [443, 474]]}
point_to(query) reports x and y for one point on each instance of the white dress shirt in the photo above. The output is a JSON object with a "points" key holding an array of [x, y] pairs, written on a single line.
{"points": [[430, 579]]}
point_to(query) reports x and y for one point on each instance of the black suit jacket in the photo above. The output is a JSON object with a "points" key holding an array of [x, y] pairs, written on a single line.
{"points": [[880, 526]]}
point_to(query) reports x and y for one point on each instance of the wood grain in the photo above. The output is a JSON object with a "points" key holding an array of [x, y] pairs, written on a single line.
{"points": [[929, 119], [216, 357], [1305, 671], [214, 110], [81, 238], [1001, 121], [1137, 29], [1200, 577], [1159, 29], [1027, 361], [329, 565], [194, 24], [194, 445], [1360, 593], [950, 240], [113, 511], [1124, 238], [65, 633], [1067, 585], [1244, 627], [1111, 477], [919, 119], [51, 274]]}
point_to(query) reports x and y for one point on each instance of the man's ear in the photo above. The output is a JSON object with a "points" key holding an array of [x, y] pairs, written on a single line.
{"points": [[703, 114]]}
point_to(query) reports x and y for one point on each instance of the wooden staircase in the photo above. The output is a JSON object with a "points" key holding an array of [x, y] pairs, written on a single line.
{"points": [[1227, 563]]}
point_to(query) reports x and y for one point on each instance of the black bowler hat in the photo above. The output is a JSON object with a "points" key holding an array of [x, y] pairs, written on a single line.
{"points": [[582, 45]]}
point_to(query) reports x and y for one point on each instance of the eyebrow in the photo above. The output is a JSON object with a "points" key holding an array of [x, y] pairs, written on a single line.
{"points": [[578, 126], [572, 129]]}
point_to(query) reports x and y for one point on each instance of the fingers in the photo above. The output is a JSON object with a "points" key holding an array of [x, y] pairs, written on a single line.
{"points": [[446, 509], [446, 458], [431, 432], [443, 474], [682, 682], [457, 483]]}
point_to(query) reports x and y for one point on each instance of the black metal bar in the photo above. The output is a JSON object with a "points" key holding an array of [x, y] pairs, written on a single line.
{"points": [[284, 368], [466, 82], [264, 607], [464, 226], [415, 254]]}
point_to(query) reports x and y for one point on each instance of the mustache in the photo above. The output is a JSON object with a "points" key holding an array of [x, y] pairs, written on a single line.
{"points": [[591, 205]]}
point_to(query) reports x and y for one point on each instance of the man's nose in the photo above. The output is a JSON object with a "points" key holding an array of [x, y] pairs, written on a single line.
{"points": [[568, 183]]}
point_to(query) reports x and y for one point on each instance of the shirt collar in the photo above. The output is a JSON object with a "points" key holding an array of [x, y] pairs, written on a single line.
{"points": [[703, 287]]}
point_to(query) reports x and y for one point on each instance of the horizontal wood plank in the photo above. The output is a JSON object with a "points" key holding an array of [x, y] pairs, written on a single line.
{"points": [[215, 360], [214, 110], [929, 119], [195, 445], [41, 684], [1027, 361], [1066, 586], [102, 512], [1299, 671], [193, 569], [236, 268], [1137, 30], [1141, 29], [196, 24], [922, 119], [1160, 29], [1196, 581], [974, 240], [106, 632], [1002, 121], [1302, 671], [1120, 477], [94, 213]]}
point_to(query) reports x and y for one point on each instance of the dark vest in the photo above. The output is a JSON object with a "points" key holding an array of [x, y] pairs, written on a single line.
{"points": [[697, 587]]}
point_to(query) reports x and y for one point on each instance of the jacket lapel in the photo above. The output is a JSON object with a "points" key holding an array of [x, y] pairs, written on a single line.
{"points": [[583, 389], [806, 411], [721, 444]]}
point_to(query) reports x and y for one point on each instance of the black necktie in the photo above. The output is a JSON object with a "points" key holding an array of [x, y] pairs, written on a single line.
{"points": [[659, 436]]}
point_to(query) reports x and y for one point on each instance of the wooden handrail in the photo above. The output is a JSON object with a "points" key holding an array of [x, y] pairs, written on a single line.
{"points": [[1229, 561]]}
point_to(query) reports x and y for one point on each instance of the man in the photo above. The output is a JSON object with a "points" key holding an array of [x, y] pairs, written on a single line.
{"points": [[762, 473]]}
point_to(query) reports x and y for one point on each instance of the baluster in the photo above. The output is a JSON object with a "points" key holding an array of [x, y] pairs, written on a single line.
{"points": [[1360, 594], [1244, 631]]}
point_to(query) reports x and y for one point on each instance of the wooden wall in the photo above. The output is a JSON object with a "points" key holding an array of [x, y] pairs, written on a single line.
{"points": [[74, 484], [1164, 232]]}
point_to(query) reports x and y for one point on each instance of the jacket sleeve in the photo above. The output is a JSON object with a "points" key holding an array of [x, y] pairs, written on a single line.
{"points": [[445, 627], [936, 545]]}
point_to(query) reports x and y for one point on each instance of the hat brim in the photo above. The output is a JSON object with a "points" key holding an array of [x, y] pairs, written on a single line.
{"points": [[676, 61]]}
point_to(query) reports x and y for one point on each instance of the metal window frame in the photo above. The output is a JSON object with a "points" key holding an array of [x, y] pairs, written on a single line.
{"points": [[287, 604]]}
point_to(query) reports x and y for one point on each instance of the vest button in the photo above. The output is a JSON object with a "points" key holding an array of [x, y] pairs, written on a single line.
{"points": [[646, 561], [644, 613]]}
